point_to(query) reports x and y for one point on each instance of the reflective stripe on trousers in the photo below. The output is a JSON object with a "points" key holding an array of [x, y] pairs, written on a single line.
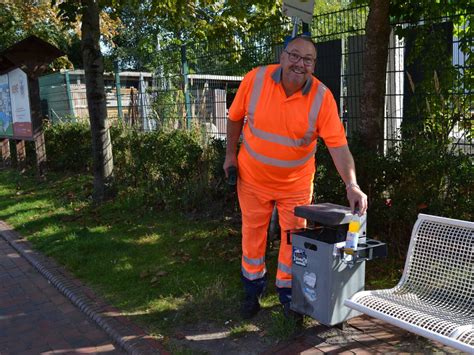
{"points": [[254, 267], [257, 206], [254, 275], [283, 283]]}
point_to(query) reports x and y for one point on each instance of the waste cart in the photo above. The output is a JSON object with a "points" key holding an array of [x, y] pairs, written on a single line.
{"points": [[322, 277]]}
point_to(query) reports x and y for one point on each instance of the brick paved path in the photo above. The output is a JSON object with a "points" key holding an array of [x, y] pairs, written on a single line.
{"points": [[36, 318], [361, 335]]}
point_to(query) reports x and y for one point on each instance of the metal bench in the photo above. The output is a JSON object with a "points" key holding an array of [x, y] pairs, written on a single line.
{"points": [[435, 296]]}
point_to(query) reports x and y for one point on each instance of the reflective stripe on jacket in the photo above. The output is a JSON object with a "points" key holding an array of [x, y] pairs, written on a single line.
{"points": [[304, 146], [280, 133]]}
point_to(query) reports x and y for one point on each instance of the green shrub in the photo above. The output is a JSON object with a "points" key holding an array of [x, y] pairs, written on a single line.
{"points": [[177, 170], [68, 146], [328, 185], [420, 176], [168, 169]]}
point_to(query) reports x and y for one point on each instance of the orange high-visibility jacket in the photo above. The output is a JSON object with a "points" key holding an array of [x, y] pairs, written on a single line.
{"points": [[279, 136]]}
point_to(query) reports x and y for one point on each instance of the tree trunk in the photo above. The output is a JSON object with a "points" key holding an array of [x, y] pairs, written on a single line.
{"points": [[96, 101], [372, 101]]}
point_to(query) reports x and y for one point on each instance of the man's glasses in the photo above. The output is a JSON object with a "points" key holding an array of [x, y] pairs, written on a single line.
{"points": [[295, 58]]}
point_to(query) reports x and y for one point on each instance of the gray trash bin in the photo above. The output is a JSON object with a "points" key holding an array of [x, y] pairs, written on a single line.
{"points": [[322, 280]]}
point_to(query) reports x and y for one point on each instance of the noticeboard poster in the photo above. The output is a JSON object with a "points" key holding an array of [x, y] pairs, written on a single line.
{"points": [[20, 104], [299, 8], [6, 120]]}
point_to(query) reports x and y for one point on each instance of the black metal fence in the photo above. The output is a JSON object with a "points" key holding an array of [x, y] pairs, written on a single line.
{"points": [[428, 82]]}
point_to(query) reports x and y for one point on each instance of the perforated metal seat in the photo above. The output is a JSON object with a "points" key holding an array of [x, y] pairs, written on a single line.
{"points": [[435, 296]]}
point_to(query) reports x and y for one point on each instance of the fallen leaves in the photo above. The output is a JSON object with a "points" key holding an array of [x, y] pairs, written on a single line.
{"points": [[154, 274]]}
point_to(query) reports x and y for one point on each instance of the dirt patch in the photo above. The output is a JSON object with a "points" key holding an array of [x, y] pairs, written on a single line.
{"points": [[255, 337]]}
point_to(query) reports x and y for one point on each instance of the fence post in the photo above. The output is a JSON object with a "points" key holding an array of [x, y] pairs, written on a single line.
{"points": [[69, 95], [117, 89], [20, 154], [306, 29], [296, 21], [6, 157], [187, 98], [40, 148]]}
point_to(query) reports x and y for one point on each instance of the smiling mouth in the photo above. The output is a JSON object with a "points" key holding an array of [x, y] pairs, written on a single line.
{"points": [[297, 70]]}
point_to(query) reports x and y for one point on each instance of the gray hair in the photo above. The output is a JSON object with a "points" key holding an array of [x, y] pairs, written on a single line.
{"points": [[303, 37]]}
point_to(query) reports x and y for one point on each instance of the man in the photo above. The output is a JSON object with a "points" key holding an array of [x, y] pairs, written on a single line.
{"points": [[287, 109]]}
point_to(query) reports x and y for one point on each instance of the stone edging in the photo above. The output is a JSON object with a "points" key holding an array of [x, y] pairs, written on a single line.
{"points": [[127, 335]]}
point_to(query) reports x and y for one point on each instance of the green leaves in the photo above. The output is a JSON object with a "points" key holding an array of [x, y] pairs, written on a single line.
{"points": [[21, 19], [68, 9], [222, 25]]}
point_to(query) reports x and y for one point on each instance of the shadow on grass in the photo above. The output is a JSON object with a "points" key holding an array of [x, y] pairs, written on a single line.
{"points": [[170, 269]]}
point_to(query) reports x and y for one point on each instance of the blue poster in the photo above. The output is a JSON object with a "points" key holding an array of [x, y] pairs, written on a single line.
{"points": [[6, 120]]}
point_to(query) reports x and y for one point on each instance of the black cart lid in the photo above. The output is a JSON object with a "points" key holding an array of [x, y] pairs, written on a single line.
{"points": [[328, 214]]}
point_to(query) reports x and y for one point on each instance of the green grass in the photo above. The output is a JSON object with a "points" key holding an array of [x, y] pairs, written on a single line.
{"points": [[282, 327], [383, 273], [243, 329], [164, 270]]}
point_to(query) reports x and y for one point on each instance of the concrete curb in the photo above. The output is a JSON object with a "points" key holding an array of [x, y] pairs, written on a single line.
{"points": [[124, 333]]}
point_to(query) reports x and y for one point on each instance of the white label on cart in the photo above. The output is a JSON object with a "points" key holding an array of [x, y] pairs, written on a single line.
{"points": [[309, 279], [310, 294], [337, 248], [299, 257]]}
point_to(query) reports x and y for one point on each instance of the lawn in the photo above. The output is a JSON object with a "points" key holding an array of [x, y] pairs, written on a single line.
{"points": [[165, 270]]}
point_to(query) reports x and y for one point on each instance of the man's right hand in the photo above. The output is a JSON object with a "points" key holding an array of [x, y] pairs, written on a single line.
{"points": [[230, 160]]}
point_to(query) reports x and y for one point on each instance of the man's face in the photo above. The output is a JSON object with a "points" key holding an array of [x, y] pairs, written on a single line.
{"points": [[292, 61]]}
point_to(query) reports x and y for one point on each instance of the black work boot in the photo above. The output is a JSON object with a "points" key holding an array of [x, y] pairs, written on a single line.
{"points": [[254, 289], [249, 307], [292, 315]]}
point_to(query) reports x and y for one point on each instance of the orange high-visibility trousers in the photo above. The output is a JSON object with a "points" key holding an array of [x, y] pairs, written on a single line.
{"points": [[256, 205]]}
